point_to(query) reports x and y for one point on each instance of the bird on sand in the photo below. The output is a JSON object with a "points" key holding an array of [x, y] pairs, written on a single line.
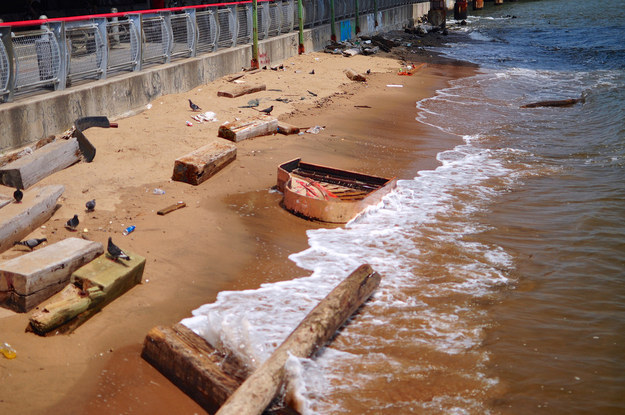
{"points": [[266, 110], [31, 243], [18, 195], [368, 71], [193, 106], [90, 205], [311, 72], [72, 223], [115, 252]]}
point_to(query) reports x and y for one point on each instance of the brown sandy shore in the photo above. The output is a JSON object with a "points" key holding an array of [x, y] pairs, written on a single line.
{"points": [[232, 235]]}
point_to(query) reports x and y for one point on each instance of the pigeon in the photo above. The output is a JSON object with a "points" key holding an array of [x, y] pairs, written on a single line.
{"points": [[72, 223], [193, 106], [18, 195], [311, 72], [90, 205], [115, 252], [266, 110], [368, 71], [31, 243]]}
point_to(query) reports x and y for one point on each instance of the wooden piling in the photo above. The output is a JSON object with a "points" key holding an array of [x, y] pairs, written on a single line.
{"points": [[460, 10], [478, 4]]}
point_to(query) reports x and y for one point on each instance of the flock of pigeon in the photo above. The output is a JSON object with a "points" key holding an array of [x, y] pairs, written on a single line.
{"points": [[113, 250]]}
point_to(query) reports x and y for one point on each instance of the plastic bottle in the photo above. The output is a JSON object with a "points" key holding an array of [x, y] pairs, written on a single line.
{"points": [[158, 191], [8, 351], [128, 230]]}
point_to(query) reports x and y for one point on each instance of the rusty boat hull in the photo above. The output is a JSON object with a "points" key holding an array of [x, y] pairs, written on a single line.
{"points": [[327, 194]]}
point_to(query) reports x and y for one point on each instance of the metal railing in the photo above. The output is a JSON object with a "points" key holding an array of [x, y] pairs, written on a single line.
{"points": [[50, 54]]}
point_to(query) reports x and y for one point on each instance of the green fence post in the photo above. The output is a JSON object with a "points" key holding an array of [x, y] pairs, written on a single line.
{"points": [[254, 63], [357, 18], [375, 12], [332, 22], [300, 17]]}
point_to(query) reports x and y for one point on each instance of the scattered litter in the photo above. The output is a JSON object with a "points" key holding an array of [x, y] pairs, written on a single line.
{"points": [[207, 116], [315, 130], [8, 351], [158, 191], [128, 230], [149, 106], [238, 81], [189, 124], [394, 86], [312, 93], [85, 230]]}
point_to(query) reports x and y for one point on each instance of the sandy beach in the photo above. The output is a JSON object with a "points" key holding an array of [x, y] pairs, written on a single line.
{"points": [[233, 234]]}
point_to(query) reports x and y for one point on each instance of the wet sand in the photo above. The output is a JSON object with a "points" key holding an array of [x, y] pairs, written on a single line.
{"points": [[233, 234]]}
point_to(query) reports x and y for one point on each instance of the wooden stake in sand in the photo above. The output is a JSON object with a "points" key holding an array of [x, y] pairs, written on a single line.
{"points": [[314, 331]]}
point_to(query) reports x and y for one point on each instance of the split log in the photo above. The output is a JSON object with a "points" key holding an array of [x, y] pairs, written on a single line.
{"points": [[286, 129], [242, 90], [93, 286], [242, 130], [29, 279], [30, 169], [18, 219], [201, 164], [171, 208], [557, 103], [355, 76], [253, 396]]}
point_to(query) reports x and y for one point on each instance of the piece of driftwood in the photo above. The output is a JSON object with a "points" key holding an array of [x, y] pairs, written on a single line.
{"points": [[19, 219], [171, 208], [557, 103], [287, 129], [260, 388], [241, 90], [28, 170], [355, 76], [92, 287], [243, 129], [197, 166], [29, 279]]}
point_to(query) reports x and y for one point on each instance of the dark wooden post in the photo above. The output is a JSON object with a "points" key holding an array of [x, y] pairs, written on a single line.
{"points": [[478, 4], [460, 10]]}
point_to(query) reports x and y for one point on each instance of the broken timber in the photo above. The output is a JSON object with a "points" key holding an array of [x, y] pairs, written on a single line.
{"points": [[171, 208], [242, 90], [29, 279], [209, 378], [30, 169], [18, 219], [242, 130], [287, 129], [92, 287], [197, 166], [355, 76]]}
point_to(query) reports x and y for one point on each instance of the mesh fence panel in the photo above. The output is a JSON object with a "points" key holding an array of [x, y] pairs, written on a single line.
{"points": [[182, 29], [288, 16], [156, 41], [207, 28], [4, 68], [85, 46], [123, 45], [225, 20], [244, 35], [37, 58], [275, 19]]}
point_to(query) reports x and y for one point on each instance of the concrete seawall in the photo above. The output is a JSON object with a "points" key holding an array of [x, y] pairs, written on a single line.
{"points": [[32, 118]]}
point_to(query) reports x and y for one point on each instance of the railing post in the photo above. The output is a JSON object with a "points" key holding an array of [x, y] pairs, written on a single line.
{"points": [[58, 28], [166, 15], [332, 22], [233, 24], [103, 51], [300, 18], [254, 62], [137, 26], [5, 36], [193, 35], [357, 17], [375, 13]]}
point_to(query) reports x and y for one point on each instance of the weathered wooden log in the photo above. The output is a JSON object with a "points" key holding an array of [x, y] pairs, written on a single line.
{"points": [[201, 164], [287, 129], [355, 76], [556, 103], [352, 52], [244, 129], [28, 170], [171, 208], [92, 287], [29, 279], [10, 157], [241, 90], [19, 219], [253, 396]]}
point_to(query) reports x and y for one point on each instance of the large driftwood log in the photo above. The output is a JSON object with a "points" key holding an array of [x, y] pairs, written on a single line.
{"points": [[242, 130], [197, 166], [557, 103], [30, 169], [29, 279], [253, 396], [242, 90], [18, 219], [92, 287]]}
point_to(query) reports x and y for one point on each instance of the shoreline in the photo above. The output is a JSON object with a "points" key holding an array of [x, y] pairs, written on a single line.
{"points": [[233, 234]]}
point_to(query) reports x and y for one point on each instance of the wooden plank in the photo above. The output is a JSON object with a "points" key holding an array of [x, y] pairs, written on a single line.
{"points": [[17, 220], [36, 276], [241, 90], [287, 129], [354, 76], [243, 129], [171, 208], [260, 388], [30, 169], [95, 284], [197, 166]]}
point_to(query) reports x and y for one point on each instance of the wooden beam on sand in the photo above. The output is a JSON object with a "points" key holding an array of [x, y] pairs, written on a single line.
{"points": [[243, 129], [287, 129], [29, 279], [19, 219], [196, 167], [92, 286], [241, 90], [28, 170], [355, 76]]}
